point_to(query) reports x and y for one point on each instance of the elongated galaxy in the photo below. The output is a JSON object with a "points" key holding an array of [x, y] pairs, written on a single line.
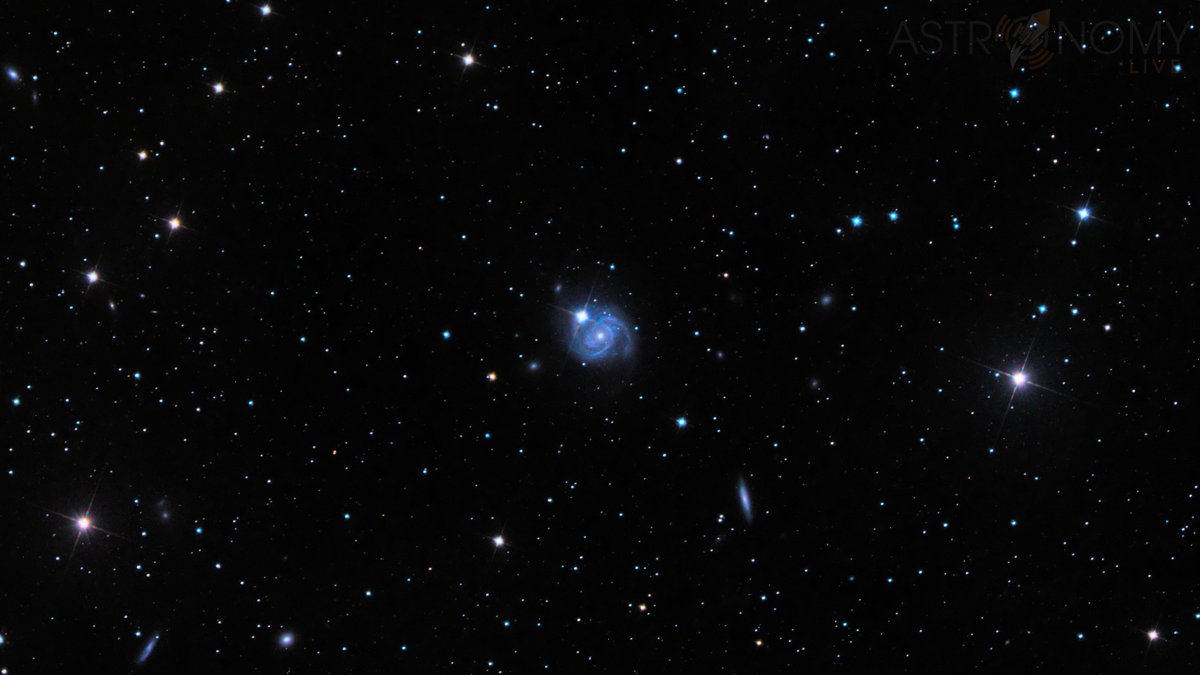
{"points": [[744, 500], [147, 649]]}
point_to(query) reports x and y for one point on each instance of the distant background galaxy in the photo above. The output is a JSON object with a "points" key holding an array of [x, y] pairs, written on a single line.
{"points": [[486, 338]]}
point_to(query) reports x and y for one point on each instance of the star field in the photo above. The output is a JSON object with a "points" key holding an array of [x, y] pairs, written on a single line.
{"points": [[491, 338]]}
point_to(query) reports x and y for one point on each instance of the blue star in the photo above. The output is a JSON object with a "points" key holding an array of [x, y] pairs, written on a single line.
{"points": [[1014, 93], [894, 216], [681, 422], [856, 221]]}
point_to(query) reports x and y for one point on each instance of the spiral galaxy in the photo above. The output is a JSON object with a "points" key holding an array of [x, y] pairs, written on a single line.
{"points": [[601, 339]]}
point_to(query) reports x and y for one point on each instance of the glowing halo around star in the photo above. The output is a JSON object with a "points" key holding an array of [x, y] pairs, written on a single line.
{"points": [[601, 338]]}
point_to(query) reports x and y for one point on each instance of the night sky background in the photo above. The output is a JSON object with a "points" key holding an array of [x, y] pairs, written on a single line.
{"points": [[293, 377]]}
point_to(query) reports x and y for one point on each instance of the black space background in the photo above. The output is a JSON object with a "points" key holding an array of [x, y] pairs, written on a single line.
{"points": [[369, 200]]}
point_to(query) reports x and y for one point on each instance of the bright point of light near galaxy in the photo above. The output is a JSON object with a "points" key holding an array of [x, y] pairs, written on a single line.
{"points": [[581, 316]]}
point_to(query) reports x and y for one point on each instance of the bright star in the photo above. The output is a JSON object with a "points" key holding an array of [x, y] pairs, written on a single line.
{"points": [[681, 422], [265, 9], [83, 523], [491, 377], [581, 315], [894, 216], [1153, 635], [856, 221], [142, 154], [174, 223], [219, 88], [93, 277], [1014, 93], [498, 540], [1019, 379], [468, 60], [1083, 213]]}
